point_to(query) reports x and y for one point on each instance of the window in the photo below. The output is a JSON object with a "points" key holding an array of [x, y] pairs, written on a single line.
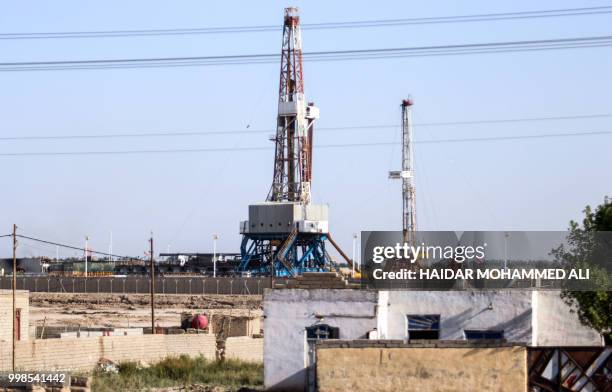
{"points": [[483, 334], [322, 332], [425, 326]]}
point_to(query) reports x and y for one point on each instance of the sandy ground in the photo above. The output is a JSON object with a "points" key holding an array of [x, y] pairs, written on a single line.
{"points": [[132, 310]]}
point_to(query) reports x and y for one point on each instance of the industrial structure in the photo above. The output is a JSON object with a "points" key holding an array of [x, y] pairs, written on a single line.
{"points": [[286, 235], [170, 264], [406, 175]]}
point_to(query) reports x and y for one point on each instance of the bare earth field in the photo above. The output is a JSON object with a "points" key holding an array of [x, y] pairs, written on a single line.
{"points": [[132, 310]]}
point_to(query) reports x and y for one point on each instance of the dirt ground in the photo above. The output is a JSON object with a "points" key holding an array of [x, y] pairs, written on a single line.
{"points": [[205, 388], [132, 310]]}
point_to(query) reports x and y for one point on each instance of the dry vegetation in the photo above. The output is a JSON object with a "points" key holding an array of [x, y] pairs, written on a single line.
{"points": [[182, 374]]}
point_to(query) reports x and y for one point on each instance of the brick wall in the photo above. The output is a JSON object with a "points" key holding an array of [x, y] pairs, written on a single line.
{"points": [[244, 348], [394, 366], [6, 313], [84, 353]]}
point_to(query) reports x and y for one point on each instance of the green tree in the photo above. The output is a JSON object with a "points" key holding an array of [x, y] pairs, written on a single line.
{"points": [[589, 248]]}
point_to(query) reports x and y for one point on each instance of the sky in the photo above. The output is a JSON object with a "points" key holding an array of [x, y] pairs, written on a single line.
{"points": [[185, 198]]}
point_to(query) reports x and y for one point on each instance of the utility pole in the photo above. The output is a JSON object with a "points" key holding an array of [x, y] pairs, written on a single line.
{"points": [[152, 287], [14, 291], [215, 238], [406, 175]]}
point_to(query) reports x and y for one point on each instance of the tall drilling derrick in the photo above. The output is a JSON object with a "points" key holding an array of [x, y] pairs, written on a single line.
{"points": [[286, 235], [407, 175], [293, 149]]}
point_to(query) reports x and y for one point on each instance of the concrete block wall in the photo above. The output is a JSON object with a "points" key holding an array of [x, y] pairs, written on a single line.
{"points": [[452, 367], [61, 354], [6, 314], [244, 348]]}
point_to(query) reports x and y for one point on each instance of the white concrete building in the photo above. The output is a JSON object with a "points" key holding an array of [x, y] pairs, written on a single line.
{"points": [[288, 353], [296, 318]]}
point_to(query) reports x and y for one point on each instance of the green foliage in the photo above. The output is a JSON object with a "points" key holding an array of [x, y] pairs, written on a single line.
{"points": [[594, 308], [182, 370]]}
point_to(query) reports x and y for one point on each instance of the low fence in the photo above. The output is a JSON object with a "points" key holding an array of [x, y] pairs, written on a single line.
{"points": [[139, 285], [60, 354]]}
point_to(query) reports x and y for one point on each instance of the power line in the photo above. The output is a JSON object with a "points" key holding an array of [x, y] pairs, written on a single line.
{"points": [[318, 26], [343, 145], [334, 55], [72, 247], [336, 128]]}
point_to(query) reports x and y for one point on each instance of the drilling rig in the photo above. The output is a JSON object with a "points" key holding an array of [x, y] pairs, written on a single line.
{"points": [[407, 175], [286, 235]]}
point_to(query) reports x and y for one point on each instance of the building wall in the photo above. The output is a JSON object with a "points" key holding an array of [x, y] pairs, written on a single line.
{"points": [[244, 348], [555, 325], [510, 311], [22, 302], [500, 369], [59, 354], [527, 317], [288, 312], [238, 326]]}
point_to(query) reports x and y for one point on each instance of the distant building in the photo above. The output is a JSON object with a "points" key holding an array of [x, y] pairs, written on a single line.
{"points": [[27, 265], [296, 319]]}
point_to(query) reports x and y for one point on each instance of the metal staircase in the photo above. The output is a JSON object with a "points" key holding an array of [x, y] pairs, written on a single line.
{"points": [[284, 251]]}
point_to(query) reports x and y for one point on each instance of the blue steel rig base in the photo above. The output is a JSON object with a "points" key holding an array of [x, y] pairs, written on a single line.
{"points": [[284, 255]]}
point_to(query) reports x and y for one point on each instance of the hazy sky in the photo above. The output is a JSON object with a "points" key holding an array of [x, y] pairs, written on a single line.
{"points": [[537, 184]]}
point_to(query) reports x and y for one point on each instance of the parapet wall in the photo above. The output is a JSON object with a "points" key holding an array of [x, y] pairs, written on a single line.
{"points": [[424, 366]]}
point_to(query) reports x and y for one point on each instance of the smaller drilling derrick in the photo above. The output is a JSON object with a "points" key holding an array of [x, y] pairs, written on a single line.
{"points": [[407, 175]]}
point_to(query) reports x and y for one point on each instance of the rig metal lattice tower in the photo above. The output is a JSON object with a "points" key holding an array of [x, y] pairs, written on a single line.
{"points": [[293, 147], [286, 235], [407, 175]]}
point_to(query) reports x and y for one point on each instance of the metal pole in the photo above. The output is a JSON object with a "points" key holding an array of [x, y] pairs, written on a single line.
{"points": [[354, 251], [86, 245], [110, 248], [215, 238], [14, 292], [505, 250], [152, 288]]}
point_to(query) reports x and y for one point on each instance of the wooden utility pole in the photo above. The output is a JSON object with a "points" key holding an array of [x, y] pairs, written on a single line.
{"points": [[14, 291], [152, 287]]}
